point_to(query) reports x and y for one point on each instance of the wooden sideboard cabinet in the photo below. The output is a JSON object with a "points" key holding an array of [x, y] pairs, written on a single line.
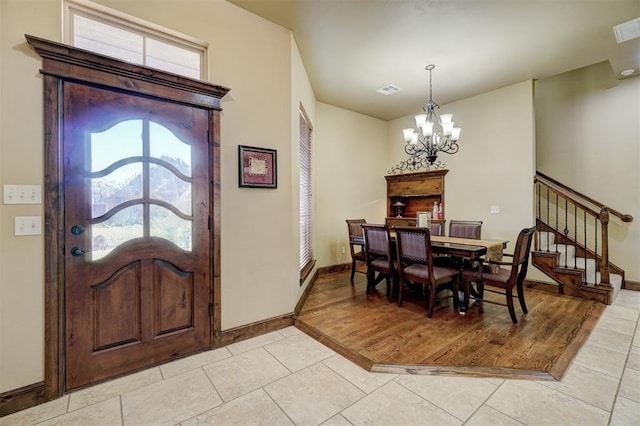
{"points": [[412, 193]]}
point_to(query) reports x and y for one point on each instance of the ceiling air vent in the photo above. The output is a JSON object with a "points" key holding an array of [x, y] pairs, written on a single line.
{"points": [[388, 89], [627, 30]]}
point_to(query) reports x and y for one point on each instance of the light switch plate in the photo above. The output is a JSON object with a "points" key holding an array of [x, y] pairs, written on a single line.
{"points": [[28, 225], [495, 209], [22, 194]]}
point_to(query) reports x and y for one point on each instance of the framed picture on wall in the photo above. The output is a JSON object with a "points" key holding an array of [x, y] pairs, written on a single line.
{"points": [[257, 167]]}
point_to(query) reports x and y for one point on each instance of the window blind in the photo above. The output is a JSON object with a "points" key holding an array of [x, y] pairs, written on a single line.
{"points": [[306, 211]]}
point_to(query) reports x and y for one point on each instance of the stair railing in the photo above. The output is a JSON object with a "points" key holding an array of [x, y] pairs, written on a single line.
{"points": [[583, 217]]}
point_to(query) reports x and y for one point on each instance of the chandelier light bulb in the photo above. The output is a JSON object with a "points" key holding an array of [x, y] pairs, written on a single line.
{"points": [[408, 134], [427, 128], [420, 119], [446, 118]]}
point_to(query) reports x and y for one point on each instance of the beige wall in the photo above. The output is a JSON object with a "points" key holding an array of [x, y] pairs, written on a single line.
{"points": [[252, 57], [302, 97], [248, 54], [588, 137], [350, 159], [21, 258], [495, 163], [260, 63]]}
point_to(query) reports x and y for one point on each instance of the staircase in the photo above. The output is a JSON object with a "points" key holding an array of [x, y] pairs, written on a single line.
{"points": [[571, 245]]}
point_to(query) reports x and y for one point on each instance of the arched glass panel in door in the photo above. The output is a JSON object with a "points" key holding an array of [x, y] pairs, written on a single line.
{"points": [[141, 186]]}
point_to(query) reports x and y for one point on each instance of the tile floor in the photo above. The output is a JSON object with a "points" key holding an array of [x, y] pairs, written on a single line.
{"points": [[287, 378]]}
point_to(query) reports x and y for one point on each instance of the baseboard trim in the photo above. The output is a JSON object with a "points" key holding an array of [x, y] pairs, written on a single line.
{"points": [[25, 397], [631, 285], [29, 396], [331, 269], [255, 329], [542, 285]]}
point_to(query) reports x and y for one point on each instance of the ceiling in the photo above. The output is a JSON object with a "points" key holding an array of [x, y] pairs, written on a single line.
{"points": [[351, 48]]}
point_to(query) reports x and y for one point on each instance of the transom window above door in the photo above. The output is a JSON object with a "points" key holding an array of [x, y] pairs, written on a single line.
{"points": [[109, 32]]}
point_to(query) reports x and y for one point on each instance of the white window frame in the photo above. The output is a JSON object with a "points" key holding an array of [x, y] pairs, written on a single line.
{"points": [[115, 18]]}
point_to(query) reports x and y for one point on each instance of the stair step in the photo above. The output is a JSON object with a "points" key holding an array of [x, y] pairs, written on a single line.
{"points": [[546, 242], [545, 239], [566, 251]]}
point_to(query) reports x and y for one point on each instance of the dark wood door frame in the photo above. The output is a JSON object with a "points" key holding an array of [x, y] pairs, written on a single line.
{"points": [[63, 63]]}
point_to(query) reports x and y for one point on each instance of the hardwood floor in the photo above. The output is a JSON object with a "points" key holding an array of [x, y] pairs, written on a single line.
{"points": [[380, 336]]}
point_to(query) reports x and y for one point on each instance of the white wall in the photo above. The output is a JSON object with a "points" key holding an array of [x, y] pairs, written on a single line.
{"points": [[588, 137], [350, 156], [495, 164]]}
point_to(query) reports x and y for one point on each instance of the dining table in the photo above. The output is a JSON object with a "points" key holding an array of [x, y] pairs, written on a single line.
{"points": [[468, 252]]}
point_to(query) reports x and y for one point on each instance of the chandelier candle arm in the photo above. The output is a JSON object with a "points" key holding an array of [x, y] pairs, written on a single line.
{"points": [[433, 134]]}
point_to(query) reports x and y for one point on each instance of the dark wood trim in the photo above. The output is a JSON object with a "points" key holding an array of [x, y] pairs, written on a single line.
{"points": [[351, 355], [320, 271], [216, 226], [63, 63], [304, 273], [255, 329], [331, 269], [590, 320], [305, 294], [71, 63], [542, 285], [631, 285], [489, 372], [21, 398], [541, 177]]}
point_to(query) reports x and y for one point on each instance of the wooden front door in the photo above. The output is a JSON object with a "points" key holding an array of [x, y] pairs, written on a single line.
{"points": [[137, 244]]}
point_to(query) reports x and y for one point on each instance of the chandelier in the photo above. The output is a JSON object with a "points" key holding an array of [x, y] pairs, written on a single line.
{"points": [[433, 133]]}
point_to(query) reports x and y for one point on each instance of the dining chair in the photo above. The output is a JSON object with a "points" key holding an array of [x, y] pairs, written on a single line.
{"points": [[379, 258], [415, 264], [465, 229], [356, 244], [503, 278], [436, 228]]}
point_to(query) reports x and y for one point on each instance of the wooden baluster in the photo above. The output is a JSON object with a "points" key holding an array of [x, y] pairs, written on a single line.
{"points": [[604, 265], [566, 231], [575, 235], [547, 221], [586, 246]]}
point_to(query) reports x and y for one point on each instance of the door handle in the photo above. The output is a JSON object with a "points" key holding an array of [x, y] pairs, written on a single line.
{"points": [[77, 251]]}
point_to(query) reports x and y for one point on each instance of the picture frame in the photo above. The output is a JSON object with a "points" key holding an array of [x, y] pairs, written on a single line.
{"points": [[423, 219], [257, 167]]}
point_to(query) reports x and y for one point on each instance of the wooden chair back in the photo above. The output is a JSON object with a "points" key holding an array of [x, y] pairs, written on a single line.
{"points": [[465, 229], [356, 243], [355, 227], [436, 228], [521, 254], [413, 245], [376, 240], [503, 278], [415, 264], [379, 257]]}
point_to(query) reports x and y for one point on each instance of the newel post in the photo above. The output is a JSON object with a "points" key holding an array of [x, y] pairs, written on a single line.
{"points": [[604, 263]]}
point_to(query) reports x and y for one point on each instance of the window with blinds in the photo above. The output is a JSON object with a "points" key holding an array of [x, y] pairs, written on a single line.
{"points": [[112, 33], [306, 205]]}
